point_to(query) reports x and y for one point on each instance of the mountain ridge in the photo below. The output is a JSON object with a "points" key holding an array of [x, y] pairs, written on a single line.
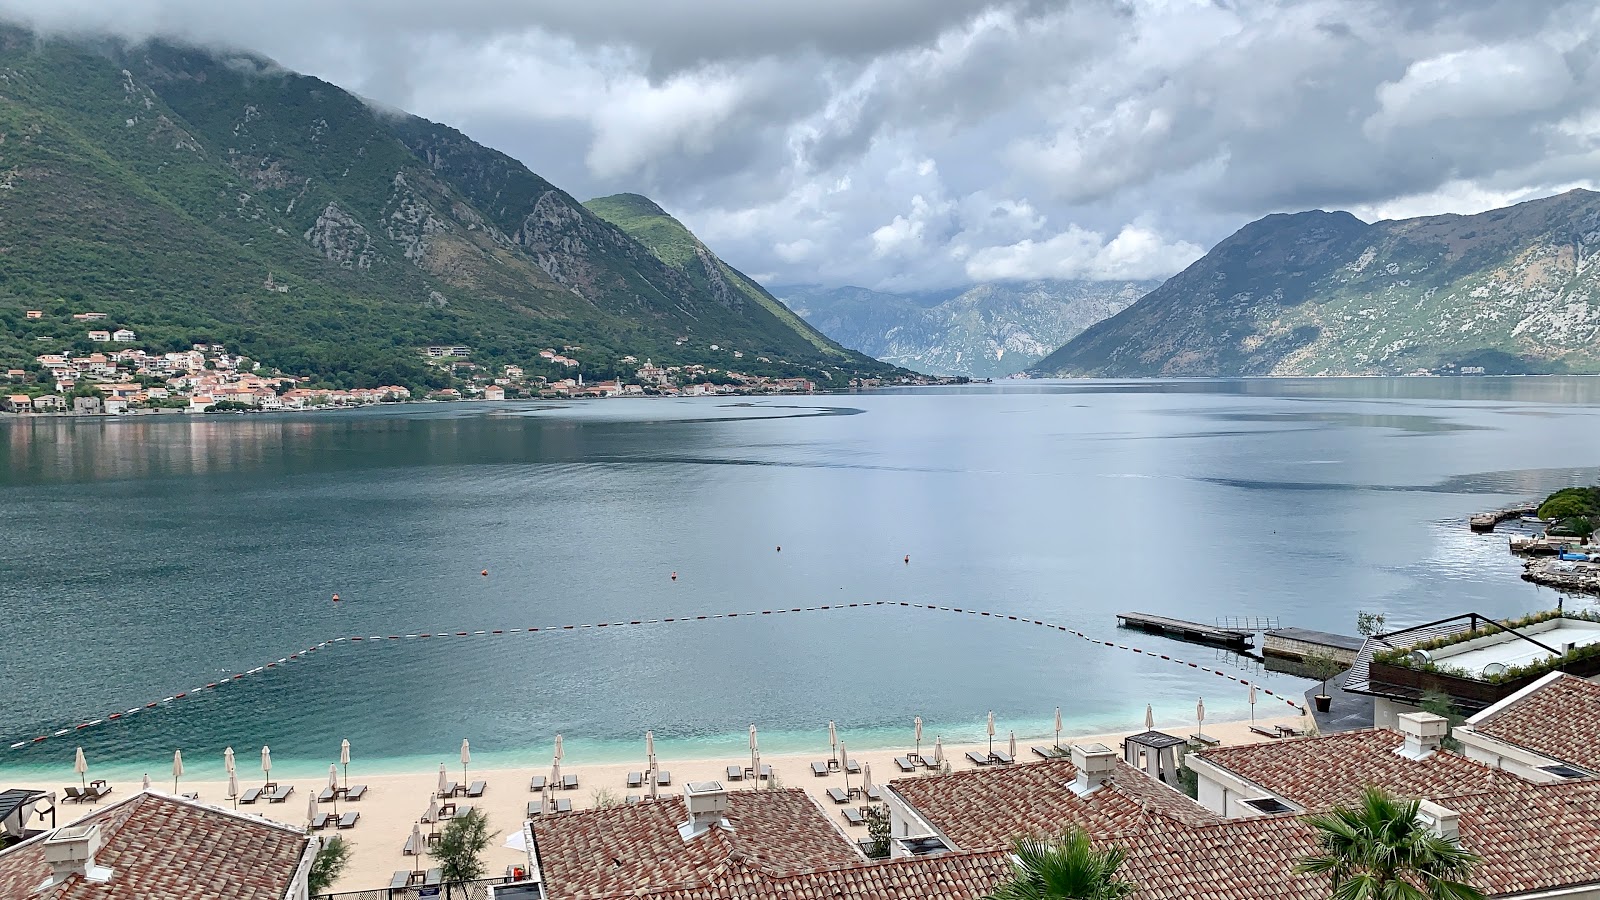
{"points": [[1322, 293]]}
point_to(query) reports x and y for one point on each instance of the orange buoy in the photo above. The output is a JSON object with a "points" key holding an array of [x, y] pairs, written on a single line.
{"points": [[336, 598], [674, 576], [484, 573]]}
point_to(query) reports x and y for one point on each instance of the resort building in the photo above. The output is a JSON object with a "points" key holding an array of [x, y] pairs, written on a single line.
{"points": [[1548, 731], [156, 845]]}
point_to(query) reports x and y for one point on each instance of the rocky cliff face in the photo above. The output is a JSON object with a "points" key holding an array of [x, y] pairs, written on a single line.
{"points": [[1319, 293], [987, 331]]}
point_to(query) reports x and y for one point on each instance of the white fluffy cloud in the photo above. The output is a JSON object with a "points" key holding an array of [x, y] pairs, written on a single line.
{"points": [[928, 143]]}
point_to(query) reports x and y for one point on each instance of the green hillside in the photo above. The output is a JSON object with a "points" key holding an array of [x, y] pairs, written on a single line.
{"points": [[676, 246], [167, 187]]}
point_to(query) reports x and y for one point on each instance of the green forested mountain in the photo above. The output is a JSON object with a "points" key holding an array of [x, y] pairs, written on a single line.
{"points": [[1512, 290], [167, 186]]}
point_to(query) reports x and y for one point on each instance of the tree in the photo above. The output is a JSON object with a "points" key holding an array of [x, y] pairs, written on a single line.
{"points": [[332, 857], [1369, 623], [1066, 868], [1323, 667], [459, 851], [878, 825], [1379, 850]]}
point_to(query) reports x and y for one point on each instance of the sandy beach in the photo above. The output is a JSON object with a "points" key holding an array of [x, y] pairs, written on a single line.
{"points": [[393, 803]]}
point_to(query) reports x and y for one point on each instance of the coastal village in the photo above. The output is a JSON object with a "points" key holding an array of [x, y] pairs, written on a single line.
{"points": [[121, 379]]}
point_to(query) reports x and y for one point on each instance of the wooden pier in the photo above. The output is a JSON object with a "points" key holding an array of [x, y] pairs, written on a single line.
{"points": [[1188, 631]]}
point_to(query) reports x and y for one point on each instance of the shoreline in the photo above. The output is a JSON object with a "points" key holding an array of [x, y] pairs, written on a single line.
{"points": [[395, 802]]}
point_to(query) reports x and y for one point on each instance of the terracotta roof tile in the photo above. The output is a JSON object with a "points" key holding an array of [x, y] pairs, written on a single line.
{"points": [[1560, 719], [159, 846], [984, 809], [597, 853], [1320, 772]]}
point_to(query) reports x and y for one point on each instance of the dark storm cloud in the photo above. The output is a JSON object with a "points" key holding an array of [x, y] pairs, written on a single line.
{"points": [[921, 143]]}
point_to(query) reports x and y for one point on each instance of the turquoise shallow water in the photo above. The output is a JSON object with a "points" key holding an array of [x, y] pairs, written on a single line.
{"points": [[141, 558]]}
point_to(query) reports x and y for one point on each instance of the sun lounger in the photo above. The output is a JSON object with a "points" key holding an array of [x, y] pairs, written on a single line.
{"points": [[563, 805], [820, 770], [838, 796], [851, 767], [569, 782], [281, 794], [461, 810], [75, 795], [904, 763], [1047, 752], [355, 792], [434, 877], [320, 821], [1205, 739], [327, 795], [1264, 732], [926, 761], [477, 788], [349, 819], [635, 779], [663, 778], [1003, 759], [853, 816], [977, 760], [401, 879], [535, 808], [766, 772], [536, 784], [735, 773], [874, 794], [449, 790], [632, 800], [250, 796], [96, 790]]}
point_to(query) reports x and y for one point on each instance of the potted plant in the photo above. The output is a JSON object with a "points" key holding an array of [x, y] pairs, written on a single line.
{"points": [[1322, 668]]}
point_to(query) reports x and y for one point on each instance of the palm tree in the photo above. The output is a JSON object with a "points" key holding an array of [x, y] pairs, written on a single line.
{"points": [[1378, 850], [1067, 868]]}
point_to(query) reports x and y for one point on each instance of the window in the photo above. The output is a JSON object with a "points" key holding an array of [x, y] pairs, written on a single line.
{"points": [[1564, 771], [1269, 805]]}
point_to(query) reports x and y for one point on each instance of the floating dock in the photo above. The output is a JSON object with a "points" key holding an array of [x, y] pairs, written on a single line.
{"points": [[1188, 631]]}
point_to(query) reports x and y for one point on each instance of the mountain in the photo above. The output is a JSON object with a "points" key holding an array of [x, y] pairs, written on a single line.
{"points": [[1511, 290], [203, 196], [673, 244], [987, 331]]}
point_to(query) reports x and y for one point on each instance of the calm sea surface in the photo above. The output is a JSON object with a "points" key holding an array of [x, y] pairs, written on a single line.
{"points": [[143, 557]]}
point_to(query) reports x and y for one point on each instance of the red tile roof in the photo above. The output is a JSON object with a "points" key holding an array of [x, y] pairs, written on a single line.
{"points": [[629, 849], [159, 846], [1320, 772], [1559, 719], [984, 809]]}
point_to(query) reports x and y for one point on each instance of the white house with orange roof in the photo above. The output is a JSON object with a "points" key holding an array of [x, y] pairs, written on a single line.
{"points": [[1548, 731]]}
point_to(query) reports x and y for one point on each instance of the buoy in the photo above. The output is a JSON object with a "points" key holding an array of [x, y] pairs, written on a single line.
{"points": [[674, 576], [484, 573], [780, 548], [336, 598], [908, 559]]}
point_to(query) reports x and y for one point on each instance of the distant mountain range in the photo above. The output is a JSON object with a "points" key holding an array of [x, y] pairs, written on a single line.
{"points": [[1514, 290], [200, 196], [987, 331]]}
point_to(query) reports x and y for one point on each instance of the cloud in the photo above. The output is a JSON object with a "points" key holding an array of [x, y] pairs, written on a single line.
{"points": [[927, 143]]}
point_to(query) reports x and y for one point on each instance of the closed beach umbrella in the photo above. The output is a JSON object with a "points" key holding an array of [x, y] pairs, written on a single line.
{"points": [[1058, 726], [266, 761], [1013, 750], [1149, 717], [866, 778], [344, 760], [433, 813], [917, 724], [938, 750], [1252, 704], [755, 758], [833, 738], [145, 782], [466, 757], [1200, 716], [311, 809], [81, 766], [558, 748], [233, 788], [227, 761], [555, 773], [416, 841], [842, 757], [991, 732], [649, 745], [177, 769], [333, 786], [443, 779]]}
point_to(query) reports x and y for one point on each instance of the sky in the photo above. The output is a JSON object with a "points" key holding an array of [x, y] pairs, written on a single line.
{"points": [[924, 144]]}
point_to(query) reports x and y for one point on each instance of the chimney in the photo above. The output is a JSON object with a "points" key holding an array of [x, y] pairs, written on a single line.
{"points": [[1443, 822], [1095, 763], [1423, 733], [707, 804], [70, 851]]}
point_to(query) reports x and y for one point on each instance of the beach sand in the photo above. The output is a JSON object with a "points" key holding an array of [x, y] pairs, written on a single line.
{"points": [[393, 803]]}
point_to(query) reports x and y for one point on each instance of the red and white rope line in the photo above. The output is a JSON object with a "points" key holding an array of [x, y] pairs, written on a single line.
{"points": [[377, 638]]}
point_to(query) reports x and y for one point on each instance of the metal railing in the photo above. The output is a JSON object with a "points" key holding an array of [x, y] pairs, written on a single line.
{"points": [[476, 890], [1247, 623]]}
